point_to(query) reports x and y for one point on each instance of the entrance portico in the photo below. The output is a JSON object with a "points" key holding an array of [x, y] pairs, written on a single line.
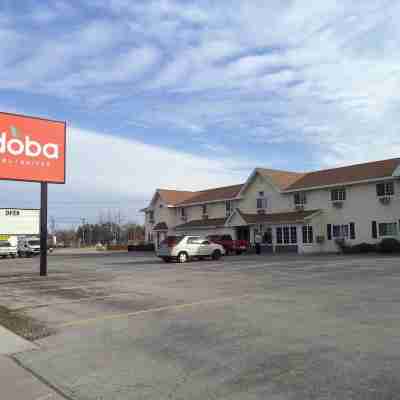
{"points": [[286, 232]]}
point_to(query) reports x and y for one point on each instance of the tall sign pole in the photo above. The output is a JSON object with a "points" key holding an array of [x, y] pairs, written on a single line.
{"points": [[43, 228], [33, 149]]}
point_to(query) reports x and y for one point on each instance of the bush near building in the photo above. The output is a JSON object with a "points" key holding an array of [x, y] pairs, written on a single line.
{"points": [[385, 246]]}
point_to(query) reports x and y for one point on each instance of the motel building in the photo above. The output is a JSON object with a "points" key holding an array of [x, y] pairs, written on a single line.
{"points": [[294, 212]]}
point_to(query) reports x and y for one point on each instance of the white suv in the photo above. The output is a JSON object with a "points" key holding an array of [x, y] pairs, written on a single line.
{"points": [[183, 248], [7, 249]]}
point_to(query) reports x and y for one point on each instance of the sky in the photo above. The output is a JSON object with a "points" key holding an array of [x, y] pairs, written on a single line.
{"points": [[195, 94]]}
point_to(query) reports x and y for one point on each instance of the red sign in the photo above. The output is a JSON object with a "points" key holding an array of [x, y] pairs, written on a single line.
{"points": [[32, 149]]}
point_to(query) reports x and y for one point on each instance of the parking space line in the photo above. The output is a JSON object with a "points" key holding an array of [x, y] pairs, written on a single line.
{"points": [[153, 310]]}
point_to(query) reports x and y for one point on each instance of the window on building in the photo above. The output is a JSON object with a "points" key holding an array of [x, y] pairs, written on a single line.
{"points": [[308, 234], [338, 194], [286, 235], [261, 194], [388, 229], [161, 205], [340, 231], [300, 199], [261, 203], [151, 216], [385, 189], [183, 212], [204, 209]]}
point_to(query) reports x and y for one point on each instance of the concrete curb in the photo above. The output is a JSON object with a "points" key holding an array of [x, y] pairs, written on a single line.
{"points": [[10, 343]]}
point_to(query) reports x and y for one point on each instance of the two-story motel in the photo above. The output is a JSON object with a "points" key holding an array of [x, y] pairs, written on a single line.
{"points": [[294, 212]]}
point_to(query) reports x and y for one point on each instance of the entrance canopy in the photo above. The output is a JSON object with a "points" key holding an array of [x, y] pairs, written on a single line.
{"points": [[238, 218]]}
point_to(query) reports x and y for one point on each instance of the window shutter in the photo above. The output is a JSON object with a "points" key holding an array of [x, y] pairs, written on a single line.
{"points": [[352, 230], [374, 230], [329, 231]]}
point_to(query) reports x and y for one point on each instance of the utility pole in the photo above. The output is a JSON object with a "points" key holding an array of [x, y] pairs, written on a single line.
{"points": [[83, 220]]}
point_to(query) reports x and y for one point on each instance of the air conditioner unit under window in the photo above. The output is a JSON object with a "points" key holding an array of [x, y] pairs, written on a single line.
{"points": [[385, 199], [337, 203]]}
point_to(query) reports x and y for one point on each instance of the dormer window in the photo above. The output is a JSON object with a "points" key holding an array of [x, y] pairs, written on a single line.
{"points": [[385, 189], [300, 199]]}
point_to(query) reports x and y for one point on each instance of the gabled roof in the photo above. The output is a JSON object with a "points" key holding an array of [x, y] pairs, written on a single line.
{"points": [[202, 223], [281, 179], [172, 197], [278, 218], [220, 193], [349, 174]]}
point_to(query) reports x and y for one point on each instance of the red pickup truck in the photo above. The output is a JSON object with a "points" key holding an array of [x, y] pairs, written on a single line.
{"points": [[230, 245]]}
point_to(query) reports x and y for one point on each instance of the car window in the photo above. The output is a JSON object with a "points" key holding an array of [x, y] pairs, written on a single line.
{"points": [[193, 240], [5, 244]]}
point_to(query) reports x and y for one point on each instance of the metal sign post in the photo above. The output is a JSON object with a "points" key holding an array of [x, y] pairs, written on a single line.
{"points": [[43, 229]]}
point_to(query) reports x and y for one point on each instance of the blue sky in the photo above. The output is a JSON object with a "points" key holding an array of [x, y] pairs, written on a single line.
{"points": [[192, 94]]}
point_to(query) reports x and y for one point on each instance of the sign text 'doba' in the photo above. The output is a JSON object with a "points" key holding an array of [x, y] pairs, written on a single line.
{"points": [[32, 149]]}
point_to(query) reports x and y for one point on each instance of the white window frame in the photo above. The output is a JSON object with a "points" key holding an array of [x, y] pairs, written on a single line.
{"points": [[338, 194], [300, 199], [387, 193], [388, 223], [288, 229], [344, 231], [309, 234], [263, 202]]}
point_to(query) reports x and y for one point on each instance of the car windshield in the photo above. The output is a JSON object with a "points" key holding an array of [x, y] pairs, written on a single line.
{"points": [[5, 244], [34, 243]]}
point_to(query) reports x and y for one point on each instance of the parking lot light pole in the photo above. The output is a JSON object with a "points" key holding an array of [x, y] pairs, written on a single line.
{"points": [[43, 229]]}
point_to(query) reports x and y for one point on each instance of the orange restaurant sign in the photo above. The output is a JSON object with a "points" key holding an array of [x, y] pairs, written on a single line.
{"points": [[32, 149]]}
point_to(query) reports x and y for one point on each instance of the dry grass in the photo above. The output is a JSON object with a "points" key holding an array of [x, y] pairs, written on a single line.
{"points": [[23, 325]]}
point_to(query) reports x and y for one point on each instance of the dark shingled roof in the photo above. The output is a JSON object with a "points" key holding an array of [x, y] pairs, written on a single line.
{"points": [[351, 173], [202, 223], [172, 197], [275, 218], [221, 193]]}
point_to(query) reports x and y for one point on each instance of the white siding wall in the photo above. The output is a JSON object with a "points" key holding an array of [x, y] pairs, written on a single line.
{"points": [[276, 202]]}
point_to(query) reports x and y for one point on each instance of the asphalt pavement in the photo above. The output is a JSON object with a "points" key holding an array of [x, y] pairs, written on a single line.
{"points": [[247, 327]]}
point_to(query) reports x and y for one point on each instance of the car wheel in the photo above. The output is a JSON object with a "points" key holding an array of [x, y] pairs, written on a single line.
{"points": [[183, 257], [166, 259], [238, 252], [216, 255]]}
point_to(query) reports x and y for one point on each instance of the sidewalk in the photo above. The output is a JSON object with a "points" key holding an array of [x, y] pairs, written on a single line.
{"points": [[17, 383]]}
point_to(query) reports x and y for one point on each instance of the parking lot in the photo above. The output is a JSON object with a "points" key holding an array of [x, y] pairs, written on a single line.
{"points": [[128, 326]]}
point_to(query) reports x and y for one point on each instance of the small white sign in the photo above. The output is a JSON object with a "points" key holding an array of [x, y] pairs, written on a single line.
{"points": [[17, 221]]}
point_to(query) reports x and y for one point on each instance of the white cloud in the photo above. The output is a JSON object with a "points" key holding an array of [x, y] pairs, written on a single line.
{"points": [[105, 171]]}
